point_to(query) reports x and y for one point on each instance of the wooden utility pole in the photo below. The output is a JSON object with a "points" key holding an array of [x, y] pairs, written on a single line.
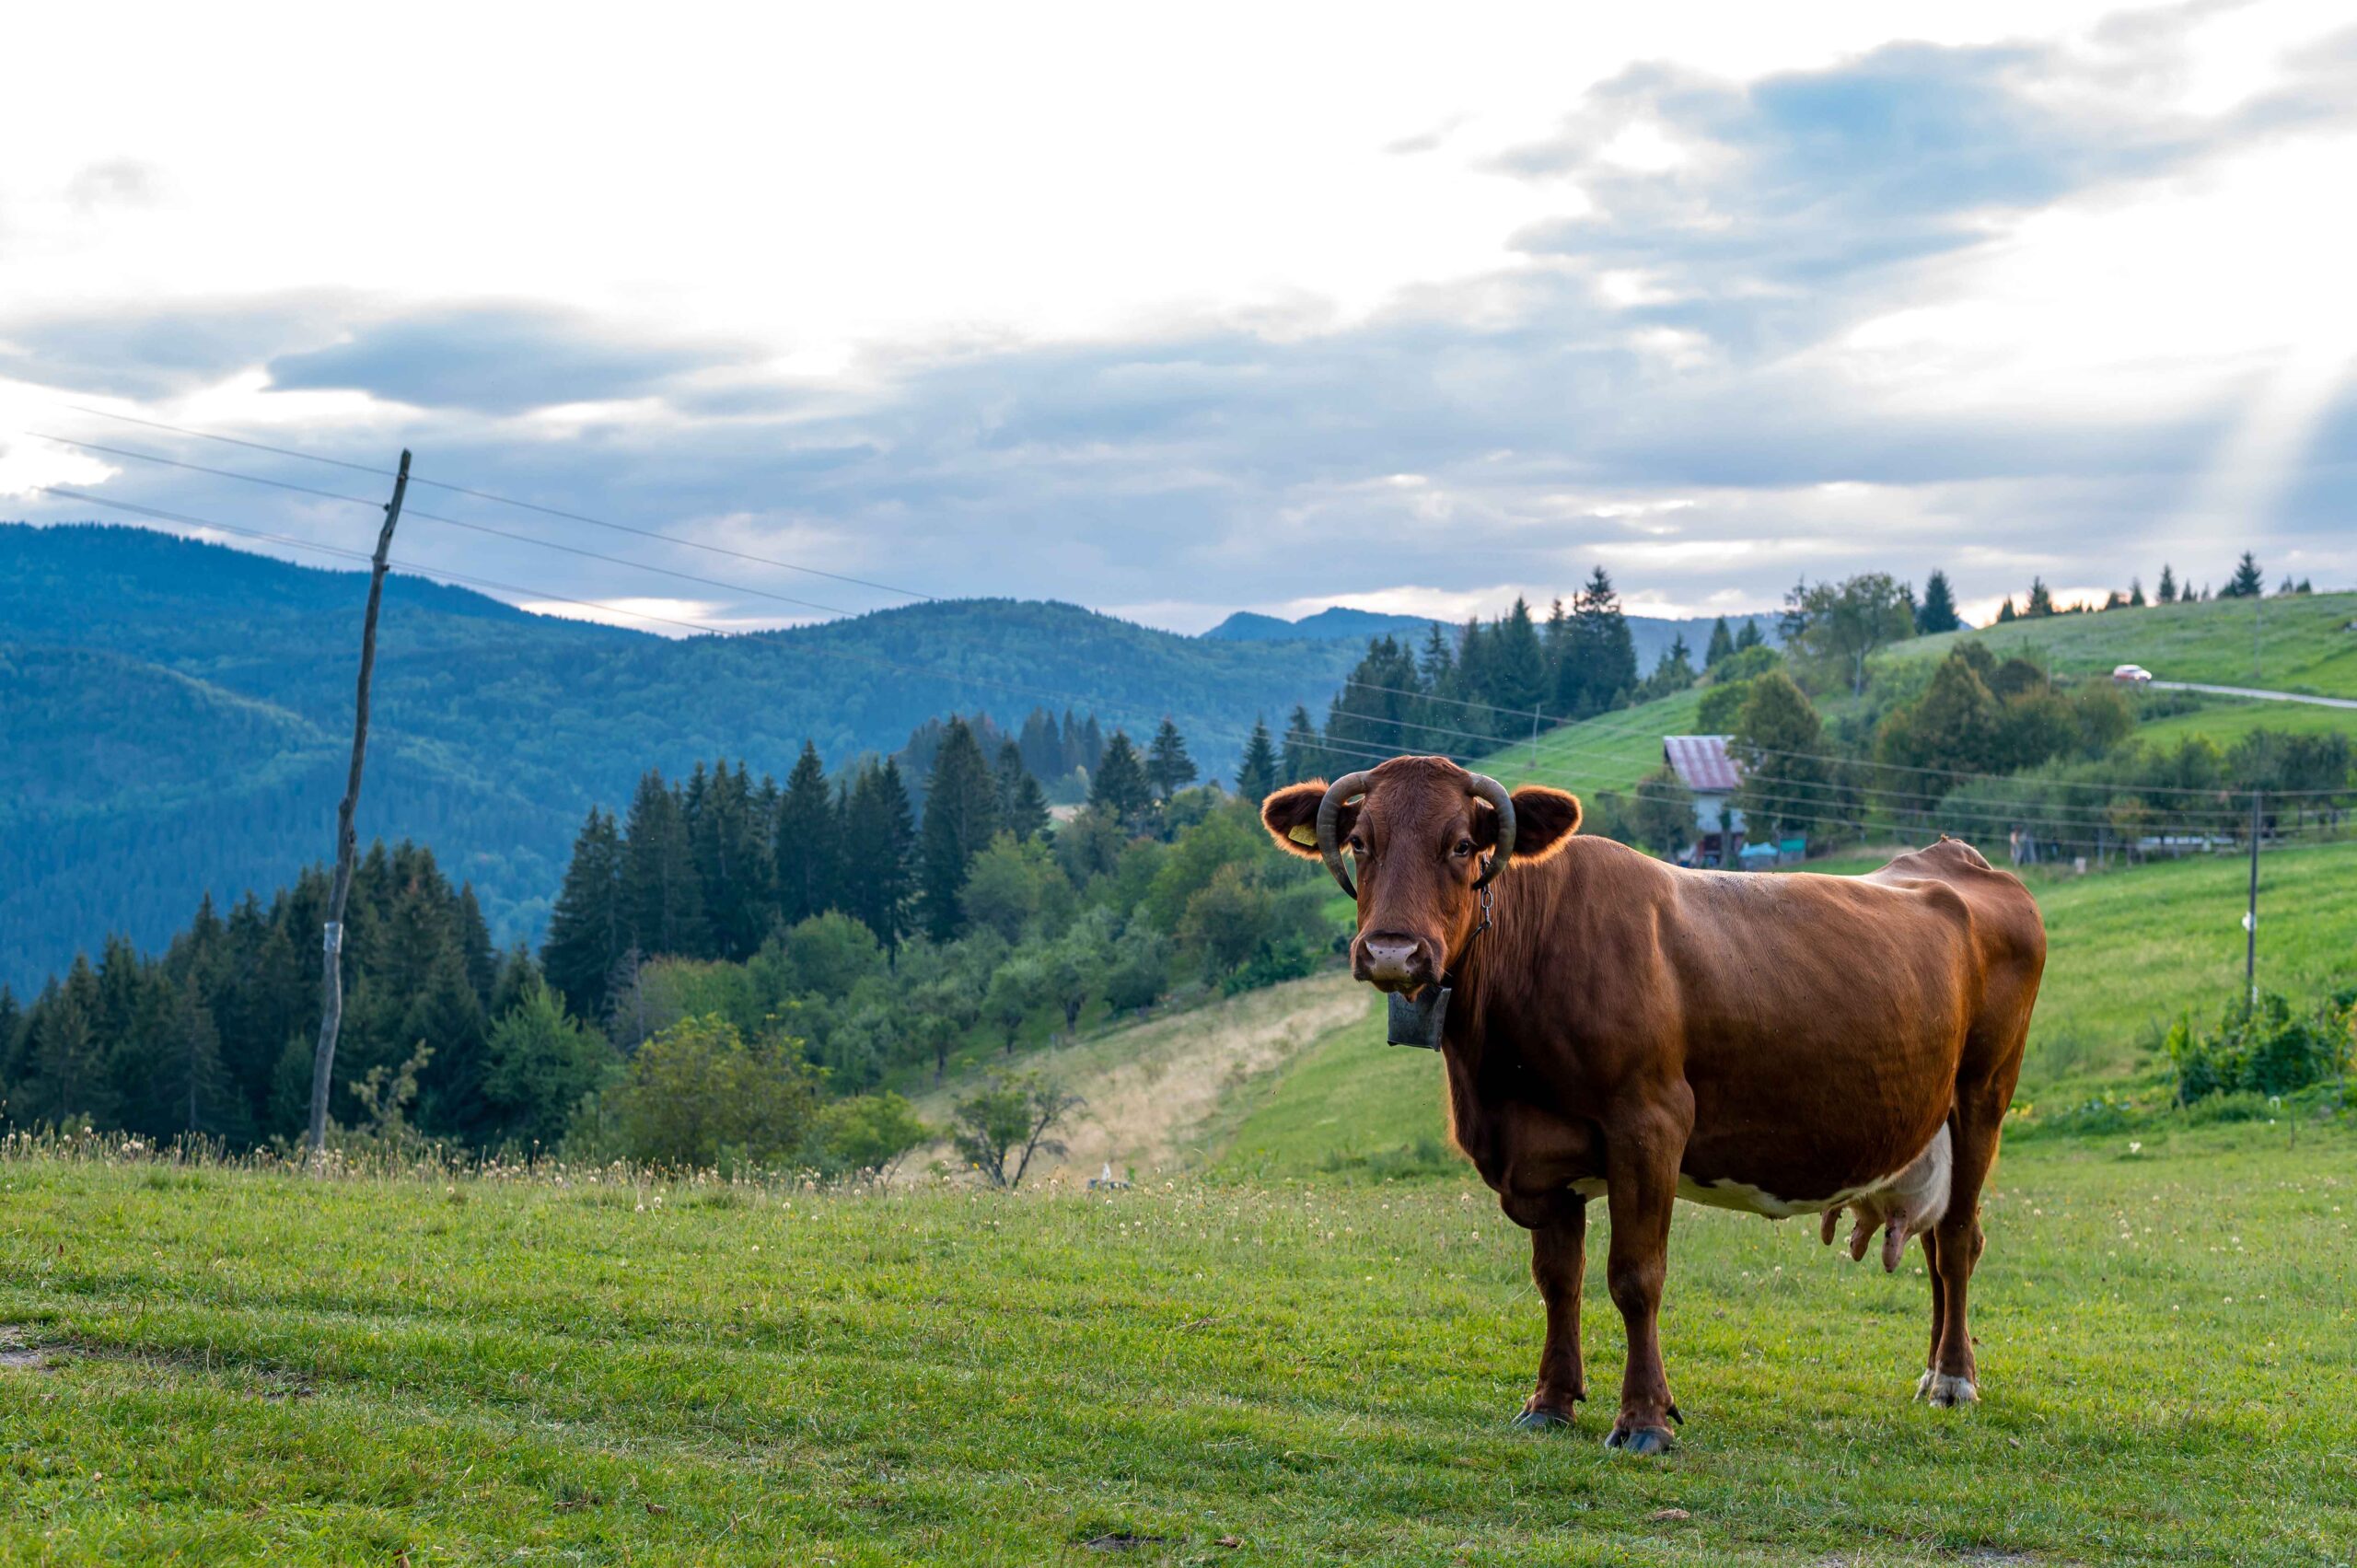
{"points": [[346, 842], [2250, 914]]}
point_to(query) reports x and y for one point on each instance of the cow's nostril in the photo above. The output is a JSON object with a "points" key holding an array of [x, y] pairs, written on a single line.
{"points": [[1391, 953]]}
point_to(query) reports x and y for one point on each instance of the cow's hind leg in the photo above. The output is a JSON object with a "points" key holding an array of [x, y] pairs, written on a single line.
{"points": [[1558, 1226], [1953, 1247]]}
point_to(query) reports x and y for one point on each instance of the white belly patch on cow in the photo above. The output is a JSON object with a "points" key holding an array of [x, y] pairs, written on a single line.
{"points": [[1919, 1187]]}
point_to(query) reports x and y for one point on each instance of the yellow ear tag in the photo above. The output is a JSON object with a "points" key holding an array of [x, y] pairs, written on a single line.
{"points": [[1302, 834]]}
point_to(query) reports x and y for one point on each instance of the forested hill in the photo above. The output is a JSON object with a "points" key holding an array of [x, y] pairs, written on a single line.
{"points": [[177, 718]]}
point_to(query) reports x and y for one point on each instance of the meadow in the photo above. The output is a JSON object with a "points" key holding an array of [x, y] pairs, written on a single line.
{"points": [[219, 1365]]}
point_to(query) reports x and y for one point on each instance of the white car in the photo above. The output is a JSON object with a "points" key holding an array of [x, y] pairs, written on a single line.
{"points": [[2133, 674]]}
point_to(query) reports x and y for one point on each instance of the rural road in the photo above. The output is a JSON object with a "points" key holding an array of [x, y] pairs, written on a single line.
{"points": [[2254, 692]]}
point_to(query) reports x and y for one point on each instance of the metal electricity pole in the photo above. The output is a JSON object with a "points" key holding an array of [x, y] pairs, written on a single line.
{"points": [[331, 959]]}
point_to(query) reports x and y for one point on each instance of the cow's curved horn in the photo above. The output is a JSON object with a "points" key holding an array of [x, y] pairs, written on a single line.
{"points": [[1329, 813], [1484, 787]]}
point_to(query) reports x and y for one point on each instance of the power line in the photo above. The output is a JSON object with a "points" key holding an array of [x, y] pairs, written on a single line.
{"points": [[541, 595], [502, 500]]}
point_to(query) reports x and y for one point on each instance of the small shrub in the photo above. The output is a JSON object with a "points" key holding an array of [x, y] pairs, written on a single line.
{"points": [[2264, 1049]]}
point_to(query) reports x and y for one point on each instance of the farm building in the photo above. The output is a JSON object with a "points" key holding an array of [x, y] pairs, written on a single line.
{"points": [[1703, 766]]}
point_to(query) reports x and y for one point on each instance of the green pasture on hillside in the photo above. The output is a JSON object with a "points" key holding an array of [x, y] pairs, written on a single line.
{"points": [[209, 1366], [2304, 642]]}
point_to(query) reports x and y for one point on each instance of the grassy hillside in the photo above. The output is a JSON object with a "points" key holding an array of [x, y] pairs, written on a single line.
{"points": [[207, 1366], [1611, 752], [158, 695], [2304, 642]]}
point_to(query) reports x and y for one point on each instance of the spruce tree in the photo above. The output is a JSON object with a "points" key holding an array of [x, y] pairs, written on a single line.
{"points": [[1120, 788], [1022, 803], [1722, 643], [733, 862], [2041, 600], [805, 848], [1517, 673], [1378, 708], [2168, 585], [586, 930], [662, 898], [881, 844], [1938, 612], [1299, 756], [2005, 610], [2135, 593], [1256, 775], [960, 815], [1600, 662], [1439, 659], [1167, 767], [1750, 636], [2247, 582]]}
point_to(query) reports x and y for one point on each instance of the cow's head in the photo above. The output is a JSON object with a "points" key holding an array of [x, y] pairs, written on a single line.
{"points": [[1427, 837]]}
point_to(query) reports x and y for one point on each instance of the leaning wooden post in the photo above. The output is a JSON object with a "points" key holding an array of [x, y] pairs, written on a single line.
{"points": [[331, 957]]}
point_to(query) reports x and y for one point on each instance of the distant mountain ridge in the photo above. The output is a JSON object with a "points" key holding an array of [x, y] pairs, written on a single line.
{"points": [[177, 718], [1652, 635], [1335, 621]]}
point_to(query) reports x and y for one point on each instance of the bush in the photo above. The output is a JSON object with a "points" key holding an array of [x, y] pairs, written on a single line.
{"points": [[699, 1094], [2265, 1049]]}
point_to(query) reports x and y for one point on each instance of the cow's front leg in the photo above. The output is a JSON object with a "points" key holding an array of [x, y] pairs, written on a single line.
{"points": [[1558, 1226], [1642, 1161]]}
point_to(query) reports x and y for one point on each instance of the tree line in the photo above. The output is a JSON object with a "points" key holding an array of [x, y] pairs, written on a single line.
{"points": [[738, 970]]}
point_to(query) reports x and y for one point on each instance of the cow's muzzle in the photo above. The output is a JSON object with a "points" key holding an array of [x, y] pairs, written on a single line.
{"points": [[1391, 961]]}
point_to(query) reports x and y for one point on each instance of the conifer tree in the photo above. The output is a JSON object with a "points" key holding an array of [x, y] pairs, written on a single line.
{"points": [[2005, 610], [960, 815], [732, 844], [1600, 659], [2135, 593], [1022, 803], [1256, 775], [1722, 643], [1517, 667], [804, 852], [1938, 612], [587, 933], [881, 844], [1120, 788], [1378, 708], [2247, 582], [1167, 767], [2041, 600], [1439, 662], [1299, 756], [662, 898], [1750, 636], [2168, 585]]}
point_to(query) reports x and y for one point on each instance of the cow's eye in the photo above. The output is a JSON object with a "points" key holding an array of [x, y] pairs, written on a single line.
{"points": [[1464, 848], [1355, 844]]}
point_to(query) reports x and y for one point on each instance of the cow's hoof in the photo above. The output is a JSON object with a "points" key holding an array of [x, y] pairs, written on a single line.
{"points": [[1535, 1417], [1641, 1440], [1945, 1391]]}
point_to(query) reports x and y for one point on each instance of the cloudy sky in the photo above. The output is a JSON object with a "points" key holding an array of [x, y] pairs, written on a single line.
{"points": [[1176, 313]]}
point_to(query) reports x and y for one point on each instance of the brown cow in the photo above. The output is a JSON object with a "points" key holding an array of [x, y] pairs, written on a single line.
{"points": [[1615, 1026]]}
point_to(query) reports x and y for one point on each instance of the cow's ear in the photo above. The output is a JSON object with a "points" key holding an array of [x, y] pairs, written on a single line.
{"points": [[1290, 817], [1544, 821]]}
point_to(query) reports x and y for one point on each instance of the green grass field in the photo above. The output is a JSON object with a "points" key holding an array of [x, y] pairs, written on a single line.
{"points": [[220, 1366], [2304, 643]]}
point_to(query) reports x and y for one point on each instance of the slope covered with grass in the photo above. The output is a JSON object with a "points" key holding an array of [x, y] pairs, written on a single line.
{"points": [[2304, 642], [209, 1366]]}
